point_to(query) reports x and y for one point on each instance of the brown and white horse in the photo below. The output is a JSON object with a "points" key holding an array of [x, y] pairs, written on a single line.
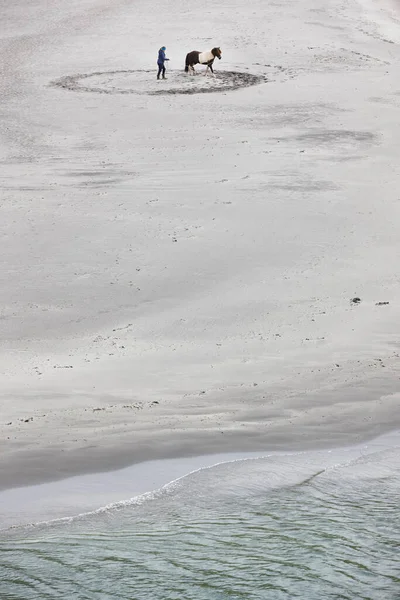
{"points": [[202, 58]]}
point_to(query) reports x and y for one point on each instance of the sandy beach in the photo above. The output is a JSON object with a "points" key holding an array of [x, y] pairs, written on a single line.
{"points": [[178, 267]]}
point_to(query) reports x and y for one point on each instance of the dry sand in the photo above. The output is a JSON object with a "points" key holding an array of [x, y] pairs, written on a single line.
{"points": [[177, 268]]}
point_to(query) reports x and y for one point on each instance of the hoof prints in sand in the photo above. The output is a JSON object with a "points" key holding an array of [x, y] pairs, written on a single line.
{"points": [[145, 83]]}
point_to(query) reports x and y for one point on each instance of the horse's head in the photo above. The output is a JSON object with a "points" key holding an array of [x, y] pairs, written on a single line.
{"points": [[216, 52]]}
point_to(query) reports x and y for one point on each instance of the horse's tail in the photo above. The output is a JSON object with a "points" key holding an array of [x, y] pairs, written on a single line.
{"points": [[186, 68], [187, 63]]}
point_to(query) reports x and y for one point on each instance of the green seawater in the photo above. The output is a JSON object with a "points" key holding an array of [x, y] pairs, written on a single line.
{"points": [[244, 530]]}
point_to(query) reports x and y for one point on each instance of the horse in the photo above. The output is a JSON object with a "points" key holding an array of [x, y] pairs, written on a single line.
{"points": [[202, 58]]}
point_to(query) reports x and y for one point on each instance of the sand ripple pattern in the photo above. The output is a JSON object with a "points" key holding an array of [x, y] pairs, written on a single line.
{"points": [[144, 82], [322, 538]]}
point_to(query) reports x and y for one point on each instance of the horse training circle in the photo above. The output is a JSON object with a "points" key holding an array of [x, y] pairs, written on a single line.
{"points": [[143, 82]]}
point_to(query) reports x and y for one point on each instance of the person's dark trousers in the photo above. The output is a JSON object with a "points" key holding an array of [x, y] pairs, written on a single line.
{"points": [[161, 70]]}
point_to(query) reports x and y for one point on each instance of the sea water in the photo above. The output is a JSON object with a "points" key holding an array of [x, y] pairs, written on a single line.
{"points": [[314, 526]]}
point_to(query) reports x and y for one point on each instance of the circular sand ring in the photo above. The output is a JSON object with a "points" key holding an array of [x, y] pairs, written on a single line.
{"points": [[144, 82]]}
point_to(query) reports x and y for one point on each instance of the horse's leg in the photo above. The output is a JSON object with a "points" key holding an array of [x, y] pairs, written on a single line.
{"points": [[212, 70], [205, 74]]}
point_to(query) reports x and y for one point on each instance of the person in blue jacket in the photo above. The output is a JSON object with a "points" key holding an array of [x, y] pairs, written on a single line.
{"points": [[160, 61]]}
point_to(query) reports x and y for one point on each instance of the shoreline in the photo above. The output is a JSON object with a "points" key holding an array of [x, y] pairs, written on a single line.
{"points": [[82, 496]]}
